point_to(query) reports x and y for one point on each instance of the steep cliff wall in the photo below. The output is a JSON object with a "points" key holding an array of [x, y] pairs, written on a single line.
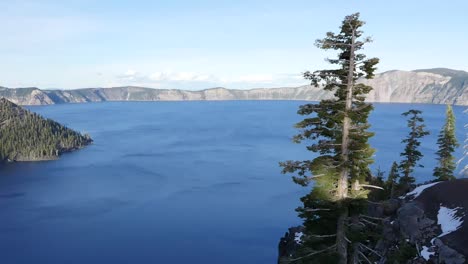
{"points": [[438, 86]]}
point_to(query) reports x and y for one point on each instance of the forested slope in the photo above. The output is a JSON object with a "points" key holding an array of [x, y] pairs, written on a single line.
{"points": [[26, 136]]}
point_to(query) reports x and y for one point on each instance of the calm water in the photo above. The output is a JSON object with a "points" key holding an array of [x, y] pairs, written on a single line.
{"points": [[172, 182]]}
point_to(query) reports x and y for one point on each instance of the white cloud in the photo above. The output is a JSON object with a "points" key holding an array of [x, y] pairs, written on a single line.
{"points": [[256, 78], [260, 79], [204, 77], [130, 73], [157, 76], [129, 76], [183, 76], [180, 77], [195, 80]]}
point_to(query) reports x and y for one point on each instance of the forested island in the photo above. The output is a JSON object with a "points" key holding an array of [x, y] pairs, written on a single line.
{"points": [[27, 136]]}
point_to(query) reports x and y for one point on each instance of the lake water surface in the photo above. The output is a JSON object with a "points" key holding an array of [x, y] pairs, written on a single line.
{"points": [[174, 182]]}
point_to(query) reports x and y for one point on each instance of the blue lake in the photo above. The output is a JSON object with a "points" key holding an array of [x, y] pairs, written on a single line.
{"points": [[174, 182]]}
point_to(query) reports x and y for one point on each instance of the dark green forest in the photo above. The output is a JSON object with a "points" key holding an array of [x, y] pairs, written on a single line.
{"points": [[27, 136]]}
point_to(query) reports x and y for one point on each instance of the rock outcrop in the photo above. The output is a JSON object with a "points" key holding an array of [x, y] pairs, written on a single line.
{"points": [[438, 86], [441, 229], [431, 221], [289, 243]]}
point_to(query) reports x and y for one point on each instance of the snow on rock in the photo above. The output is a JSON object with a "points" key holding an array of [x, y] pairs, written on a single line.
{"points": [[298, 237], [425, 253], [418, 190], [448, 220]]}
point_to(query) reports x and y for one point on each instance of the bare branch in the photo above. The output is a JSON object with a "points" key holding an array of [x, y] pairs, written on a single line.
{"points": [[371, 186], [373, 218], [357, 223], [371, 250], [315, 176], [322, 236], [327, 74], [355, 44], [317, 209], [369, 222], [344, 60], [314, 253], [368, 261]]}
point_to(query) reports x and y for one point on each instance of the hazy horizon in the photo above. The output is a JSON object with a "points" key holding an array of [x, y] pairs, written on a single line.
{"points": [[200, 89]]}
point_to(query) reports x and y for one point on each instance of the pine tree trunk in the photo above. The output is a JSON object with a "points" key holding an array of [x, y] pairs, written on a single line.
{"points": [[341, 243], [355, 257], [342, 192], [356, 186], [392, 191]]}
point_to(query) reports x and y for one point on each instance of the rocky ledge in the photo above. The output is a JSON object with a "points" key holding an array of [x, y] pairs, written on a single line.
{"points": [[430, 219]]}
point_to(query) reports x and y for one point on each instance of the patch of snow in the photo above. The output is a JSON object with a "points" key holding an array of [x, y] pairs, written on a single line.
{"points": [[425, 253], [418, 190], [448, 220], [298, 237]]}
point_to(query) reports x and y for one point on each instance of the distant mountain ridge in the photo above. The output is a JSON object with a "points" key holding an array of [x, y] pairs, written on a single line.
{"points": [[438, 86]]}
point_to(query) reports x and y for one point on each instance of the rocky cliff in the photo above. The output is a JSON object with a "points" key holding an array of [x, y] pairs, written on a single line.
{"points": [[422, 86], [436, 86]]}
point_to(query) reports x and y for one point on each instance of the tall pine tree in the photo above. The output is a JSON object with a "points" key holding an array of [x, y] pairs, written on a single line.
{"points": [[447, 142], [338, 131], [411, 155]]}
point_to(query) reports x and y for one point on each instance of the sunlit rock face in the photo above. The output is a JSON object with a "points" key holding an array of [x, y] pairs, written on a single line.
{"points": [[438, 86], [26, 96]]}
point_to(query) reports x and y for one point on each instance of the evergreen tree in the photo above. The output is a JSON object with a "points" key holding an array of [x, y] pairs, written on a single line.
{"points": [[392, 179], [411, 155], [447, 142], [377, 181], [464, 168], [338, 129]]}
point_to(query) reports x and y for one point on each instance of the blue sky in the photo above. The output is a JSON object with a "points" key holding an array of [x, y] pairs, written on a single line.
{"points": [[206, 43]]}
